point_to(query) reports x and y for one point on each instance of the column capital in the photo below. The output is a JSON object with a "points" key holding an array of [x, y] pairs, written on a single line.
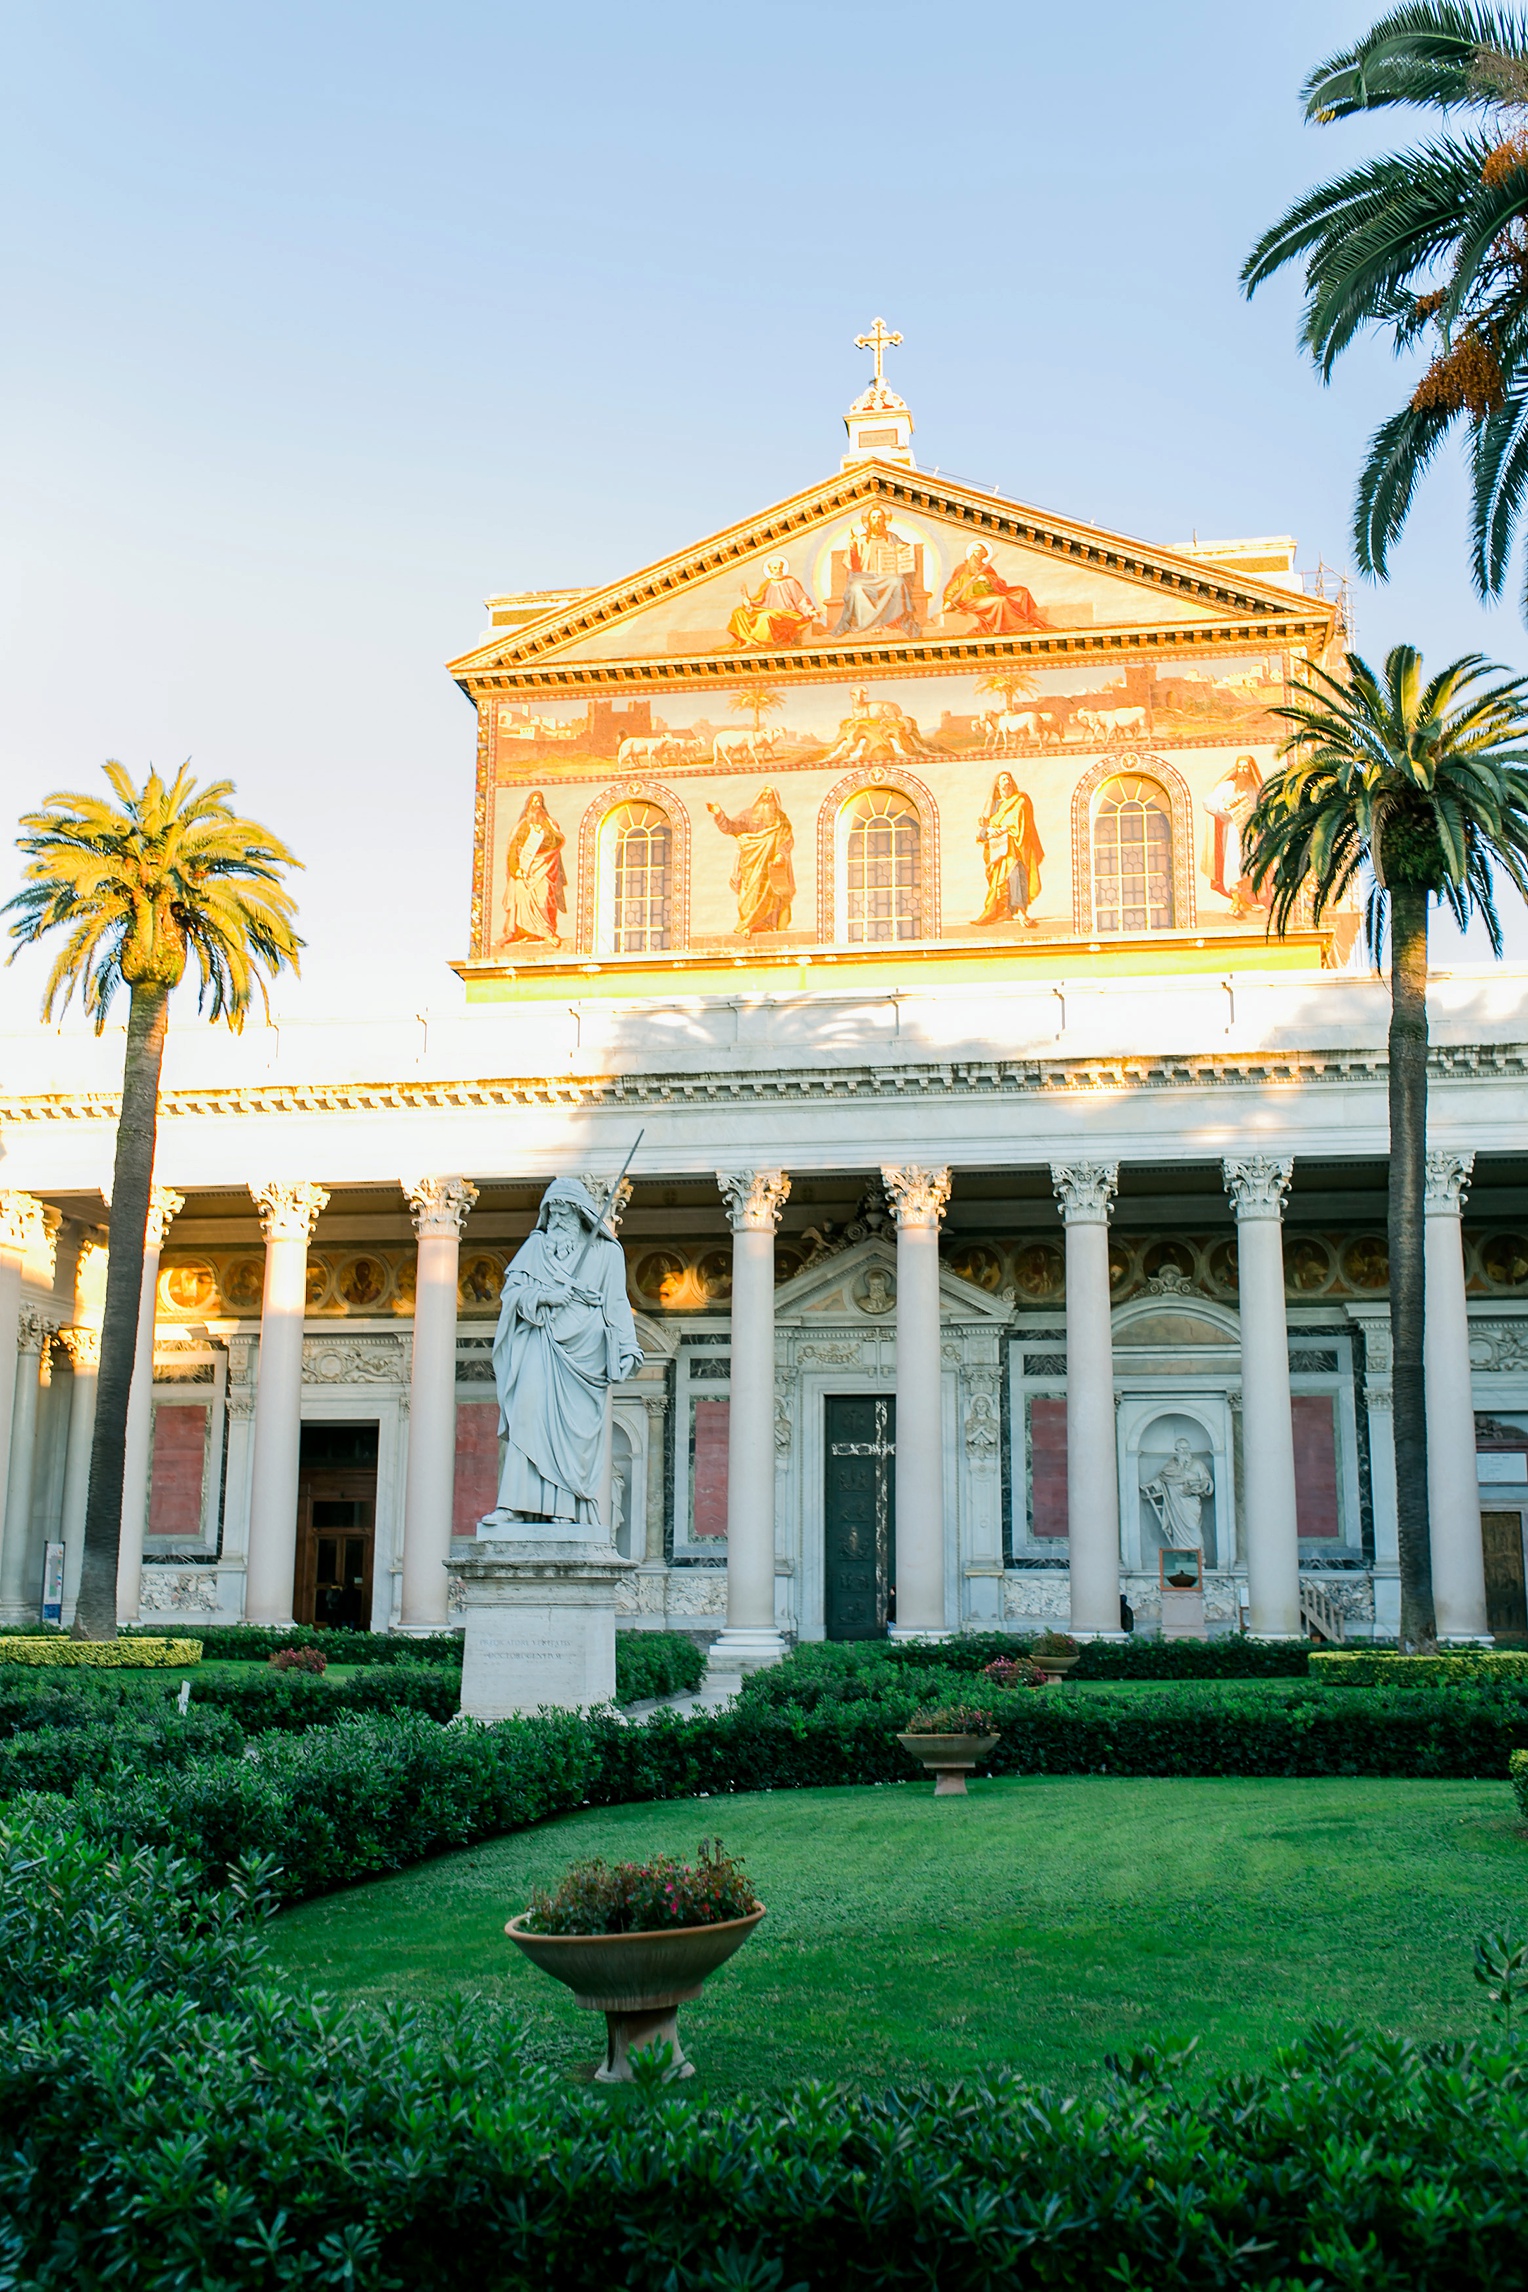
{"points": [[33, 1330], [1448, 1181], [610, 1202], [754, 1199], [917, 1195], [82, 1344], [1085, 1190], [27, 1225], [289, 1210], [439, 1205], [1258, 1184], [165, 1206]]}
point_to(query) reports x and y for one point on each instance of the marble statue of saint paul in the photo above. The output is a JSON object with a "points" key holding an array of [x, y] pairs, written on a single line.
{"points": [[565, 1336]]}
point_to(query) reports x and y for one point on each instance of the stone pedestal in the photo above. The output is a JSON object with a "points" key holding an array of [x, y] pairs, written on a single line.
{"points": [[540, 1624], [1183, 1614]]}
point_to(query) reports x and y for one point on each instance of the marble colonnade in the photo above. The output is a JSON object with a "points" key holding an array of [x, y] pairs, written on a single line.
{"points": [[751, 1639], [1453, 1488], [439, 1207]]}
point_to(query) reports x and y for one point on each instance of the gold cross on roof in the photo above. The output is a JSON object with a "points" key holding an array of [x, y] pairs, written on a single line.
{"points": [[879, 340]]}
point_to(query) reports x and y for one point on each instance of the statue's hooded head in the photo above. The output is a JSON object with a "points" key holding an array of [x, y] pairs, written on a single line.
{"points": [[577, 1198]]}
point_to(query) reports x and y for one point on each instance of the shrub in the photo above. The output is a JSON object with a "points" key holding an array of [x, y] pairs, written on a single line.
{"points": [[352, 1800], [99, 1654], [1056, 1643], [598, 1897], [309, 1659], [653, 1663], [1518, 1769], [1014, 1671], [256, 1643], [58, 1759]]}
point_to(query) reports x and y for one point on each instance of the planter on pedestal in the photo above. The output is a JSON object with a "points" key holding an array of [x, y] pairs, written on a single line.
{"points": [[948, 1758], [1055, 1667], [637, 1981]]}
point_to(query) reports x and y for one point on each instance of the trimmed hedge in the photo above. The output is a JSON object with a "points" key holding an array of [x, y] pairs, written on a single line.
{"points": [[653, 1663], [146, 1654], [370, 1794], [165, 2123], [1518, 1768], [1138, 1657], [257, 1643], [1363, 1669]]}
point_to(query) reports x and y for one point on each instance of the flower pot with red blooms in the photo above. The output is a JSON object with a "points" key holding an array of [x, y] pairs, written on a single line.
{"points": [[1055, 1653], [635, 1941], [948, 1741]]}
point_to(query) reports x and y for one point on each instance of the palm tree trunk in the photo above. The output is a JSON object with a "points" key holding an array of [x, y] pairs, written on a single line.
{"points": [[132, 1177], [1408, 1173]]}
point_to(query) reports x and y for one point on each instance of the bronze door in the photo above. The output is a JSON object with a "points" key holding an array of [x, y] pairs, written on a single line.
{"points": [[336, 1521], [1501, 1533], [859, 1514]]}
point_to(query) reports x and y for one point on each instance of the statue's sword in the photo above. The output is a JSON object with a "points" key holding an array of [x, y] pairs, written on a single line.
{"points": [[604, 1225]]}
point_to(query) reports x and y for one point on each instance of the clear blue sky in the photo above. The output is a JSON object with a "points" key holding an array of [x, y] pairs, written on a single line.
{"points": [[323, 321]]}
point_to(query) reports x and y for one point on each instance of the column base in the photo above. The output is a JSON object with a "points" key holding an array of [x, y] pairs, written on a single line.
{"points": [[1082, 1635], [933, 1635], [741, 1648]]}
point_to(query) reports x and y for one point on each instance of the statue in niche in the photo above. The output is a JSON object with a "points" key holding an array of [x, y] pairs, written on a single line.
{"points": [[535, 885], [565, 1336], [1177, 1495], [1011, 853]]}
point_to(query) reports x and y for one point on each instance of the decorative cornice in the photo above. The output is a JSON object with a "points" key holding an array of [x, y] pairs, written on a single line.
{"points": [[288, 1211], [917, 1195], [1258, 1185], [990, 1077], [1448, 1181], [1085, 1190], [439, 1205], [754, 1198]]}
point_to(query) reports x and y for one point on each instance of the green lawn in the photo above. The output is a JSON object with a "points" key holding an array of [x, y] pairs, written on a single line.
{"points": [[1041, 1922]]}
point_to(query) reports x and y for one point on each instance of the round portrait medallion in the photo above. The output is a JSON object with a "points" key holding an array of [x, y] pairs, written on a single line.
{"points": [[1307, 1262], [191, 1287], [1504, 1260], [1039, 1270], [362, 1282], [479, 1282], [1366, 1262], [976, 1263], [243, 1285]]}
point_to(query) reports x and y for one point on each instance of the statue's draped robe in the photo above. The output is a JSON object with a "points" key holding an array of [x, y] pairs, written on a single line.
{"points": [[764, 879], [553, 1360], [1178, 1494], [1014, 852], [535, 885]]}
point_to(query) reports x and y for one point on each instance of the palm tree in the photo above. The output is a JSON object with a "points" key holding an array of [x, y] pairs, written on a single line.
{"points": [[1013, 683], [140, 886], [759, 701], [1423, 786], [1428, 246]]}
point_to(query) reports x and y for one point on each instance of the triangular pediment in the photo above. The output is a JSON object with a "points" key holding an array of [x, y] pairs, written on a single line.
{"points": [[879, 562], [858, 1286]]}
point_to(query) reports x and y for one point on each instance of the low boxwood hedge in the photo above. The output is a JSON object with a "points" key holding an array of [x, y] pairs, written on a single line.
{"points": [[1230, 1656], [1361, 1667], [50, 1651], [166, 2121], [652, 1663]]}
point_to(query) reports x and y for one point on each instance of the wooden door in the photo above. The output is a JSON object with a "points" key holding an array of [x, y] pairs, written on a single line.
{"points": [[1501, 1534], [859, 1514], [336, 1524]]}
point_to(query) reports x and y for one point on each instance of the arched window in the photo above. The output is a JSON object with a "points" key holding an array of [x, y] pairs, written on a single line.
{"points": [[880, 843], [636, 880], [1132, 857]]}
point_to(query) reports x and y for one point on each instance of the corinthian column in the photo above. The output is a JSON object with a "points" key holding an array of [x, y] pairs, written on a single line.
{"points": [[1257, 1187], [1085, 1191], [1453, 1485], [20, 1594], [82, 1343], [754, 1201], [288, 1214], [138, 1449], [918, 1197], [439, 1207]]}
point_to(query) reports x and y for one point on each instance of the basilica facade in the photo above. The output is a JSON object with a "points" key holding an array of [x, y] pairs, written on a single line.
{"points": [[1006, 1222]]}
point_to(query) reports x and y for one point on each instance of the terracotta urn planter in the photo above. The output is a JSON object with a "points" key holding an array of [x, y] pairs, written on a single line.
{"points": [[637, 1981], [948, 1758]]}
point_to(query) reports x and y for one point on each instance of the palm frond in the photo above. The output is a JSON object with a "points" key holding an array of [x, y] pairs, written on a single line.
{"points": [[1426, 53]]}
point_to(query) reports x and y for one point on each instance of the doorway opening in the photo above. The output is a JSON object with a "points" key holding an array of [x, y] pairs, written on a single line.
{"points": [[336, 1526], [859, 1514], [1501, 1534]]}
